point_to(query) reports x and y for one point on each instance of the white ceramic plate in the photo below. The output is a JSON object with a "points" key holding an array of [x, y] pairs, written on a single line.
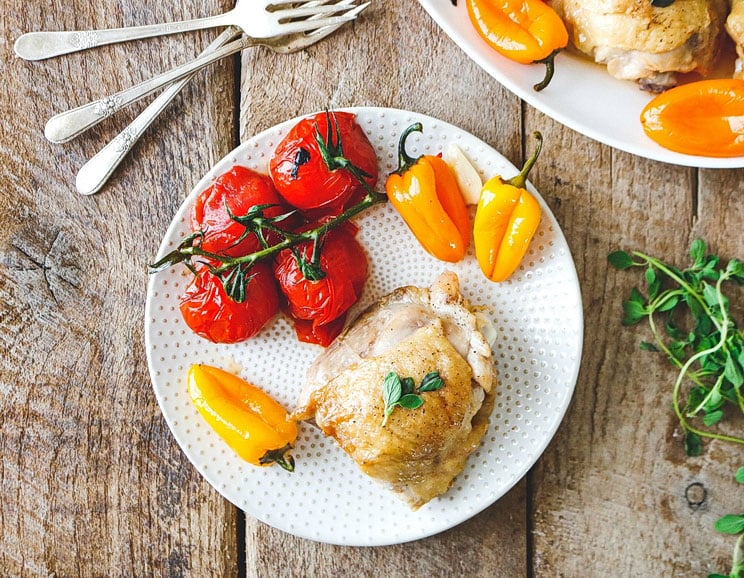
{"points": [[538, 315], [582, 95]]}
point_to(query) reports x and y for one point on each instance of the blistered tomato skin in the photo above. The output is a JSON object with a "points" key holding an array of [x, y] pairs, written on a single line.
{"points": [[210, 313], [235, 191], [324, 301], [323, 335], [302, 176]]}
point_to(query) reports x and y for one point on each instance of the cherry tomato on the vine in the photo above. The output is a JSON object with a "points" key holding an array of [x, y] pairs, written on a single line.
{"points": [[237, 190], [209, 312], [301, 174], [344, 264]]}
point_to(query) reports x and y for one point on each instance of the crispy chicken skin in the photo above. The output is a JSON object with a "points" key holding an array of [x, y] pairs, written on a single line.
{"points": [[412, 332], [735, 28], [638, 41]]}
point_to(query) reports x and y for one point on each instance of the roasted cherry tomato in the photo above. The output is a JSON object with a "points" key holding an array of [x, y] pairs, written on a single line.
{"points": [[236, 192], [209, 312], [309, 332], [344, 265], [305, 165]]}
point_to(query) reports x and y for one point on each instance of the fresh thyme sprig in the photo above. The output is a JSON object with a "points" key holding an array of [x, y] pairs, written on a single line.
{"points": [[733, 524], [711, 353], [397, 391]]}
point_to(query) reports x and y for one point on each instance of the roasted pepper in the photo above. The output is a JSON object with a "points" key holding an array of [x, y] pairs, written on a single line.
{"points": [[526, 31], [425, 193], [252, 423], [506, 219], [700, 118]]}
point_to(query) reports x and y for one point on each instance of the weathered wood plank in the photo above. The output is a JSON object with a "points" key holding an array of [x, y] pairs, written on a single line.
{"points": [[612, 495], [92, 481]]}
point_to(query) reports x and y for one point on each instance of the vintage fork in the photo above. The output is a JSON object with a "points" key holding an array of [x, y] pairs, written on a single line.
{"points": [[67, 125], [256, 18], [94, 174]]}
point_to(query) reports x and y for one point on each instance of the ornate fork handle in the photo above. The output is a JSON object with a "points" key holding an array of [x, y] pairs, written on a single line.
{"points": [[67, 125], [94, 174], [41, 45]]}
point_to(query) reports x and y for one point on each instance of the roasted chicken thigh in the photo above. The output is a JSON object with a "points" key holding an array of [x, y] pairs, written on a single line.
{"points": [[650, 44], [735, 28], [412, 332]]}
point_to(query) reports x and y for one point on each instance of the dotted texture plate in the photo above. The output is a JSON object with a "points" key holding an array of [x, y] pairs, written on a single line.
{"points": [[537, 313]]}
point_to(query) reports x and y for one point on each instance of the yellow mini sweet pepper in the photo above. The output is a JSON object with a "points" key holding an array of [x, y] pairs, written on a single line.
{"points": [[505, 221], [252, 423], [425, 193]]}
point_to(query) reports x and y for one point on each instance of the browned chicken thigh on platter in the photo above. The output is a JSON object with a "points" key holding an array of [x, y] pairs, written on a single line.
{"points": [[735, 28], [412, 332], [646, 43]]}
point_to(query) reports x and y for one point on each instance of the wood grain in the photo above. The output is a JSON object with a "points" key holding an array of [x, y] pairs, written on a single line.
{"points": [[614, 494], [93, 483]]}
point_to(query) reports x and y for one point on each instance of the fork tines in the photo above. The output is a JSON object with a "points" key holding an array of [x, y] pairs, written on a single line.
{"points": [[288, 10]]}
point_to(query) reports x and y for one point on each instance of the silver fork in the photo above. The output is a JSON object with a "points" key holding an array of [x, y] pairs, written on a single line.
{"points": [[257, 18], [95, 173], [67, 125]]}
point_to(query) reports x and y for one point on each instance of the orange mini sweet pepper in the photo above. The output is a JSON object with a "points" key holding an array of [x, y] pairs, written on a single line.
{"points": [[505, 221], [250, 421], [525, 31], [424, 191], [704, 118]]}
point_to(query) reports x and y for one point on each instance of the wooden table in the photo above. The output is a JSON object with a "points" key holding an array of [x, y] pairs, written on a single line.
{"points": [[92, 481]]}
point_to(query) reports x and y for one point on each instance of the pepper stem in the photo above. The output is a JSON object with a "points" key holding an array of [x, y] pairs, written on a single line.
{"points": [[404, 160], [549, 62], [279, 456], [521, 179]]}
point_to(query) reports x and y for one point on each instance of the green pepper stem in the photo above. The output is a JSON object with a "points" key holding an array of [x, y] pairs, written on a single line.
{"points": [[405, 161], [549, 62], [521, 179], [279, 456]]}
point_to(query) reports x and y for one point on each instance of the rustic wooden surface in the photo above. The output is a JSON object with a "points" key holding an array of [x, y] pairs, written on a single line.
{"points": [[93, 483]]}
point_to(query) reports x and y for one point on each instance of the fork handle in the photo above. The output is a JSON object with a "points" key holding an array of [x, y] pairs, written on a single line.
{"points": [[67, 125], [94, 174], [41, 45]]}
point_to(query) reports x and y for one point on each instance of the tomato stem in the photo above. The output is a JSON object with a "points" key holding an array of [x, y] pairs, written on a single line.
{"points": [[187, 249], [332, 151]]}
